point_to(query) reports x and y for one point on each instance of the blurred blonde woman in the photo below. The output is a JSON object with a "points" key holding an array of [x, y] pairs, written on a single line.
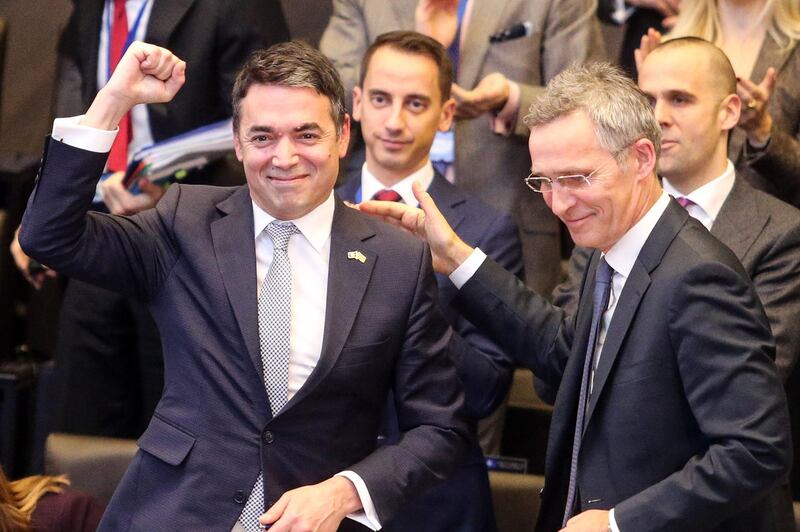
{"points": [[760, 37], [43, 504]]}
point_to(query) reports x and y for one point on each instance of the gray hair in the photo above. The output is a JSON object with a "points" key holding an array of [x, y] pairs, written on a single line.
{"points": [[619, 110]]}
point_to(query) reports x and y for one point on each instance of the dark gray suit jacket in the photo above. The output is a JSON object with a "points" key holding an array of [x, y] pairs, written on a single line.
{"points": [[192, 258], [764, 234], [687, 427], [776, 169]]}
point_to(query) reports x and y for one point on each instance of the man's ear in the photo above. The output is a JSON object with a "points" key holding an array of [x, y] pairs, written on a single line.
{"points": [[446, 116], [237, 145], [357, 103], [730, 108], [644, 157], [344, 137]]}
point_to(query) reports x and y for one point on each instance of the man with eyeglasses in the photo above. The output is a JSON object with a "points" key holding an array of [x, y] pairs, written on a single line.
{"points": [[669, 414]]}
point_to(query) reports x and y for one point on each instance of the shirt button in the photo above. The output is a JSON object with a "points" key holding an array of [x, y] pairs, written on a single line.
{"points": [[268, 436], [238, 497]]}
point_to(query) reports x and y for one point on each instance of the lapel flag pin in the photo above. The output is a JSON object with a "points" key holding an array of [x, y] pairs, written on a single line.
{"points": [[357, 255]]}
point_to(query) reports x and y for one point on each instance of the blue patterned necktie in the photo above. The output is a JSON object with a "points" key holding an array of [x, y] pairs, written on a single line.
{"points": [[274, 332], [602, 291]]}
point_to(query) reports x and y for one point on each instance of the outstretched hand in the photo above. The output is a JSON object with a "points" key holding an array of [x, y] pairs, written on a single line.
{"points": [[145, 74], [649, 42], [428, 223]]}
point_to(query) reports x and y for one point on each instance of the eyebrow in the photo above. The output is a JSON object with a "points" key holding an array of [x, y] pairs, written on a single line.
{"points": [[308, 126], [415, 96], [567, 171], [677, 92]]}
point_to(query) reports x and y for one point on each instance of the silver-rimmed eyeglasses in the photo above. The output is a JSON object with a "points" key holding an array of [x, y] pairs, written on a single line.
{"points": [[541, 184]]}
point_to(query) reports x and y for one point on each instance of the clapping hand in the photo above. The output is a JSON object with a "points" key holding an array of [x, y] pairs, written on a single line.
{"points": [[649, 41], [755, 120], [437, 19]]}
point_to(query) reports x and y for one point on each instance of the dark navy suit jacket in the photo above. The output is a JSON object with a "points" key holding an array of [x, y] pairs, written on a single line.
{"points": [[463, 502], [686, 426], [192, 258]]}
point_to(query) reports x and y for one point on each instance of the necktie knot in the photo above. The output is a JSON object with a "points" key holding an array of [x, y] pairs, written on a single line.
{"points": [[387, 194], [280, 232], [684, 201], [604, 272]]}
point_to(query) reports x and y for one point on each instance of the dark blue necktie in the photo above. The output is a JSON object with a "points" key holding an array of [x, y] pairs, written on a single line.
{"points": [[602, 290]]}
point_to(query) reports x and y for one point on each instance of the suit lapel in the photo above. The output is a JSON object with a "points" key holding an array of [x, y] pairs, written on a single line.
{"points": [[483, 22], [347, 283], [237, 264], [448, 198], [90, 21], [636, 285], [739, 221], [164, 18]]}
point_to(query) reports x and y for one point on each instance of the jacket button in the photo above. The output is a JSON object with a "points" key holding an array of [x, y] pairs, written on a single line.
{"points": [[268, 436], [238, 497]]}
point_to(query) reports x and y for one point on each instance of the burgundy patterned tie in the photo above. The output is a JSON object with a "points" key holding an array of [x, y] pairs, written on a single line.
{"points": [[387, 194]]}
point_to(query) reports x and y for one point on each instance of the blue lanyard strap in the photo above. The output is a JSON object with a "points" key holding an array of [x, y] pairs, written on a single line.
{"points": [[131, 32]]}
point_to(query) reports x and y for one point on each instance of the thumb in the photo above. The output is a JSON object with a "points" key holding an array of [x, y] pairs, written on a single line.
{"points": [[425, 200], [275, 511], [177, 79]]}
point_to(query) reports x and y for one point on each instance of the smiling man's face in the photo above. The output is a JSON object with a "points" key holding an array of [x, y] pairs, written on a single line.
{"points": [[400, 108], [288, 145]]}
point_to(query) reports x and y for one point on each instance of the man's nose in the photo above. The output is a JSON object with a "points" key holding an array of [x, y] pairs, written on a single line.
{"points": [[285, 154], [559, 199], [396, 120]]}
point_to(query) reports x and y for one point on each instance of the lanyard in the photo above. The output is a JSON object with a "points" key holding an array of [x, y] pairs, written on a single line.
{"points": [[131, 32]]}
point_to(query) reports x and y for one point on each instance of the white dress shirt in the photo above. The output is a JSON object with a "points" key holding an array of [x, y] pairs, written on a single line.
{"points": [[706, 200], [140, 122], [309, 254], [621, 257], [370, 184]]}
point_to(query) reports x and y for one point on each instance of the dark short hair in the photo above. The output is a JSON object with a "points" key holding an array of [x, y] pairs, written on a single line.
{"points": [[415, 43], [291, 64]]}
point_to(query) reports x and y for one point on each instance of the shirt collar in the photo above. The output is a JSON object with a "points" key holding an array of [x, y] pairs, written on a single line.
{"points": [[710, 196], [370, 184], [315, 226], [625, 251]]}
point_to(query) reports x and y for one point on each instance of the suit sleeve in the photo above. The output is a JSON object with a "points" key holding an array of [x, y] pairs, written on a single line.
{"points": [[572, 34], [131, 255], [484, 369], [344, 41], [780, 162], [529, 329], [778, 286], [722, 342], [428, 402]]}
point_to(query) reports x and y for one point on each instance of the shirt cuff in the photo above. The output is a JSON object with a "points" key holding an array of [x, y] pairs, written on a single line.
{"points": [[367, 516], [612, 522], [505, 120], [71, 133], [464, 273]]}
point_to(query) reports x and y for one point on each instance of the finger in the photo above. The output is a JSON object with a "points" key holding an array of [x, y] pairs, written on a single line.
{"points": [[275, 511], [669, 22], [384, 208], [151, 190], [425, 200], [177, 79], [768, 83]]}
